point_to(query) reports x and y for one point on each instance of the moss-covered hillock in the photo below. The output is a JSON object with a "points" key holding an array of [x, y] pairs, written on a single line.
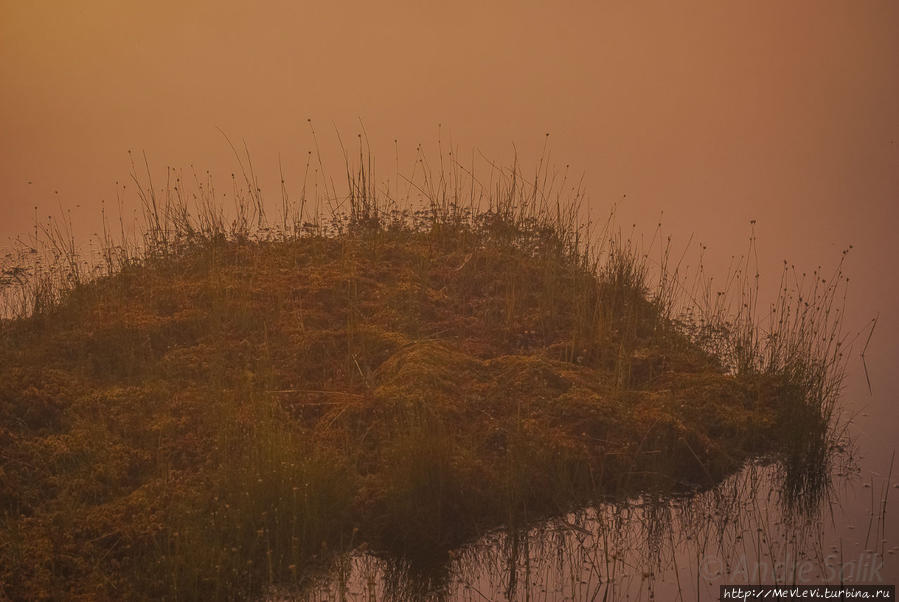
{"points": [[229, 415]]}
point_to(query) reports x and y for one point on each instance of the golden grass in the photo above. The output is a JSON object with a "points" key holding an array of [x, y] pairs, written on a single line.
{"points": [[229, 409]]}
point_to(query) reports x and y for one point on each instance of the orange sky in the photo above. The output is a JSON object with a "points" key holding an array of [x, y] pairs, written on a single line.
{"points": [[713, 112]]}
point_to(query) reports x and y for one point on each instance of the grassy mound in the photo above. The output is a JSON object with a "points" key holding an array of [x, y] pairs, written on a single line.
{"points": [[230, 414]]}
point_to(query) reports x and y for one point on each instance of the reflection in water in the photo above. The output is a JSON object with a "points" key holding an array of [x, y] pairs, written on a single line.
{"points": [[764, 524]]}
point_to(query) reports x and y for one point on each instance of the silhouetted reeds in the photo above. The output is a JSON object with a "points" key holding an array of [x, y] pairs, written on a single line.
{"points": [[217, 405]]}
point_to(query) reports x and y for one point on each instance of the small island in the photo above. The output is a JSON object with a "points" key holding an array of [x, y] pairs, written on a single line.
{"points": [[232, 405]]}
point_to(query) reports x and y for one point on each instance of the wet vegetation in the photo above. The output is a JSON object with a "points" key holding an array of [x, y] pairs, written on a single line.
{"points": [[222, 406]]}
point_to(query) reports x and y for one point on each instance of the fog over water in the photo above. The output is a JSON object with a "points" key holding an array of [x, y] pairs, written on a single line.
{"points": [[701, 115]]}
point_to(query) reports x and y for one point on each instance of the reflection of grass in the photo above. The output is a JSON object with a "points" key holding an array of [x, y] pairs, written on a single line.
{"points": [[227, 406], [675, 547]]}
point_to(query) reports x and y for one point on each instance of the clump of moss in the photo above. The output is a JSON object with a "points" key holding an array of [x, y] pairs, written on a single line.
{"points": [[228, 411]]}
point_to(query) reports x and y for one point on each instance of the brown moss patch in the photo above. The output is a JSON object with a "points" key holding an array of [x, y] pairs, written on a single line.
{"points": [[232, 415]]}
